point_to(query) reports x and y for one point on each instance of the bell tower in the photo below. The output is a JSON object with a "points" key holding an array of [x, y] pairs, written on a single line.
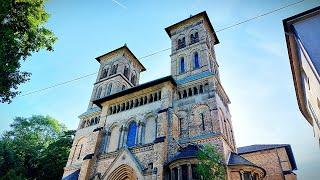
{"points": [[119, 70], [192, 47], [200, 110]]}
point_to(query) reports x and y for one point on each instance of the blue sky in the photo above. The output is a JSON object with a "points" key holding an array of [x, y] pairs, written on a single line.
{"points": [[254, 65]]}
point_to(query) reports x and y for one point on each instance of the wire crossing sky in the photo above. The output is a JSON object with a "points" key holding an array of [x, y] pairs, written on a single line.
{"points": [[157, 52], [252, 55]]}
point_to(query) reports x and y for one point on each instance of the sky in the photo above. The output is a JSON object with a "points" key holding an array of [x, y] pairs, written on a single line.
{"points": [[253, 60]]}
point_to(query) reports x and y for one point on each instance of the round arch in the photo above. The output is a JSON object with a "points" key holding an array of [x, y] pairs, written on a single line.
{"points": [[123, 172]]}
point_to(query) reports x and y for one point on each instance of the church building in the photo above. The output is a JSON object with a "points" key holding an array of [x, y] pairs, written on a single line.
{"points": [[153, 131]]}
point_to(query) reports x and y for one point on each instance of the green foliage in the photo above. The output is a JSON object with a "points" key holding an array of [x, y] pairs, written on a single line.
{"points": [[55, 157], [22, 33], [211, 164], [35, 148]]}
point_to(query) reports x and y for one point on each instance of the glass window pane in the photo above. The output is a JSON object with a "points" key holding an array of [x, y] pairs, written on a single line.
{"points": [[131, 138]]}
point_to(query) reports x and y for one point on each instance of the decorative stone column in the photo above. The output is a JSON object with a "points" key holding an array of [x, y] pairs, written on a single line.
{"points": [[120, 138], [179, 173], [142, 131], [154, 173], [189, 171], [241, 174], [138, 134], [124, 137], [172, 174]]}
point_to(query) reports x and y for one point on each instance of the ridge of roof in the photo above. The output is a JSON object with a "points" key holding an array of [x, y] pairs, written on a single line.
{"points": [[126, 48], [134, 89], [204, 15], [263, 147]]}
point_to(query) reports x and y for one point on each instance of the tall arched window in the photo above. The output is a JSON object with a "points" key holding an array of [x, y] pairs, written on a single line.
{"points": [[109, 89], [133, 79], [202, 121], [132, 132], [150, 132], [123, 87], [98, 94], [104, 73], [114, 139], [196, 60], [182, 69], [126, 72], [180, 126]]}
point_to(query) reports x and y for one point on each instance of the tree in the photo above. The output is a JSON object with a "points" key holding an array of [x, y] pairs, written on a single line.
{"points": [[211, 164], [55, 157], [22, 33], [35, 148]]}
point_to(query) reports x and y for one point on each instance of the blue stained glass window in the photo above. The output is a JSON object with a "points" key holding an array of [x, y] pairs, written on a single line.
{"points": [[196, 60], [182, 65], [131, 138]]}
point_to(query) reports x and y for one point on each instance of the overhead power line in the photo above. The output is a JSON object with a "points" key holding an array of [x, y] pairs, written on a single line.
{"points": [[259, 16], [58, 84], [163, 50]]}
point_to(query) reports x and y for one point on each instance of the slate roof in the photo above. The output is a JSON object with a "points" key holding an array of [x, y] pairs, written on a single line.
{"points": [[90, 111], [235, 159], [126, 48], [72, 176], [188, 152], [263, 147], [202, 14]]}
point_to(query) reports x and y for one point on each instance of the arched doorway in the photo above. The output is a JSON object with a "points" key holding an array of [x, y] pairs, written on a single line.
{"points": [[123, 172]]}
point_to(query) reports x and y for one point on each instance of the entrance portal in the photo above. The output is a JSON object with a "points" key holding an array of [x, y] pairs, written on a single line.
{"points": [[123, 172]]}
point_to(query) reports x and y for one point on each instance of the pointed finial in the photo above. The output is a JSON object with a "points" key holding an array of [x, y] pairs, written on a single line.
{"points": [[190, 15], [125, 44]]}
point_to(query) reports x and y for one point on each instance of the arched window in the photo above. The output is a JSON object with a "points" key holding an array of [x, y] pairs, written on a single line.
{"points": [[150, 98], [114, 139], [196, 60], [123, 87], [150, 131], [201, 89], [180, 126], [126, 72], [191, 38], [196, 37], [109, 89], [195, 90], [202, 121], [96, 120], [132, 131], [182, 69], [114, 69], [181, 43], [98, 94], [133, 79], [184, 94], [190, 92], [104, 73]]}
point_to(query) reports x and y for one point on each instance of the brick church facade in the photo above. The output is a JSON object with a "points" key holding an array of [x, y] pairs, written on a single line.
{"points": [[154, 130]]}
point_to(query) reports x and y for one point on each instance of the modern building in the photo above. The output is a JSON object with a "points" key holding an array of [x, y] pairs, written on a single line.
{"points": [[154, 130], [302, 33]]}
